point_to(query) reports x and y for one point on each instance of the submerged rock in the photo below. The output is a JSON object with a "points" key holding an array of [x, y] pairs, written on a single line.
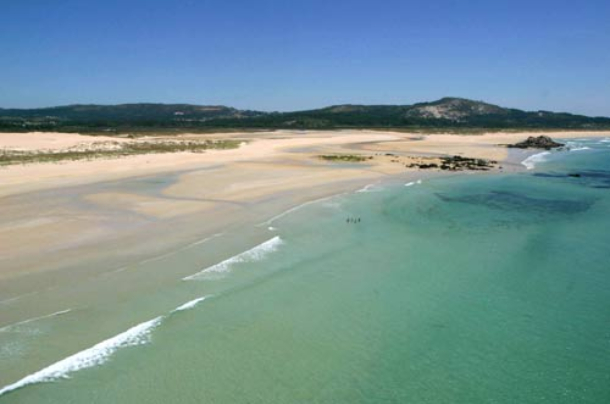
{"points": [[540, 142]]}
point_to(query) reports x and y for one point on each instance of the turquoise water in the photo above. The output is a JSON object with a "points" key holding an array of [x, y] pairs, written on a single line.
{"points": [[469, 289]]}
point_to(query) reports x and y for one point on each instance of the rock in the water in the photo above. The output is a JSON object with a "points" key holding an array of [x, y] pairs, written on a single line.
{"points": [[540, 142]]}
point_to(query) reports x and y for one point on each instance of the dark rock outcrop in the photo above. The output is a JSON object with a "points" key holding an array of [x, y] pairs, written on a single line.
{"points": [[458, 163], [540, 142]]}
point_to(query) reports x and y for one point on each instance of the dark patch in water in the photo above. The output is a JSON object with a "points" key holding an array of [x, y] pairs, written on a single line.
{"points": [[550, 175], [591, 178], [512, 201], [596, 174], [596, 179]]}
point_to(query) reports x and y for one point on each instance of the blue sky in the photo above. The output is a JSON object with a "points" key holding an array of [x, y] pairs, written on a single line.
{"points": [[288, 55]]}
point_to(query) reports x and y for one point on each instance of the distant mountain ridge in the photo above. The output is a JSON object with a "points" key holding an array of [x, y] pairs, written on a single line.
{"points": [[444, 113], [127, 112]]}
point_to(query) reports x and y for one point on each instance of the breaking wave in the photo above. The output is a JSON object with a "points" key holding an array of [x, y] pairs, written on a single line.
{"points": [[531, 161], [254, 254], [190, 305], [97, 354]]}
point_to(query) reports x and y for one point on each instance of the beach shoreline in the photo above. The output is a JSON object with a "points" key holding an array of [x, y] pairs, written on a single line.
{"points": [[57, 216], [116, 234], [63, 207]]}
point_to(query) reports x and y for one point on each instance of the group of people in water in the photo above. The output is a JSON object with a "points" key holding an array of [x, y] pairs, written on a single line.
{"points": [[353, 220]]}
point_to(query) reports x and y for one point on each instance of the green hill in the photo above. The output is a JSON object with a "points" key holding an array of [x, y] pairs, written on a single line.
{"points": [[444, 113]]}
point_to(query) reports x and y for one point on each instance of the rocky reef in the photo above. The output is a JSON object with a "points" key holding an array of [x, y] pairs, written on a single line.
{"points": [[540, 142], [457, 163]]}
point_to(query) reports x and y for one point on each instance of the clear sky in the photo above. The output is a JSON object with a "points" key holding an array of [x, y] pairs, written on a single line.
{"points": [[288, 55]]}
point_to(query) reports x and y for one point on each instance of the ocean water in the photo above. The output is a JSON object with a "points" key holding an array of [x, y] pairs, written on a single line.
{"points": [[464, 289]]}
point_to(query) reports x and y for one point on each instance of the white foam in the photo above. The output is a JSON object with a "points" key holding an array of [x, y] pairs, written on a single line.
{"points": [[96, 355], [531, 161], [368, 188], [254, 254], [57, 313], [410, 184], [577, 146], [605, 140], [190, 305]]}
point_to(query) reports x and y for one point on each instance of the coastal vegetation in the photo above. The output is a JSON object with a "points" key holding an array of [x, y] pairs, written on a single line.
{"points": [[349, 158], [112, 150]]}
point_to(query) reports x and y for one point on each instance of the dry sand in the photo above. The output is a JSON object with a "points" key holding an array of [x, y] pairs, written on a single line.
{"points": [[271, 146], [32, 141]]}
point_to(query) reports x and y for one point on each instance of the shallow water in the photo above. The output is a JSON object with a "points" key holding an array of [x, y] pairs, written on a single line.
{"points": [[478, 288]]}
